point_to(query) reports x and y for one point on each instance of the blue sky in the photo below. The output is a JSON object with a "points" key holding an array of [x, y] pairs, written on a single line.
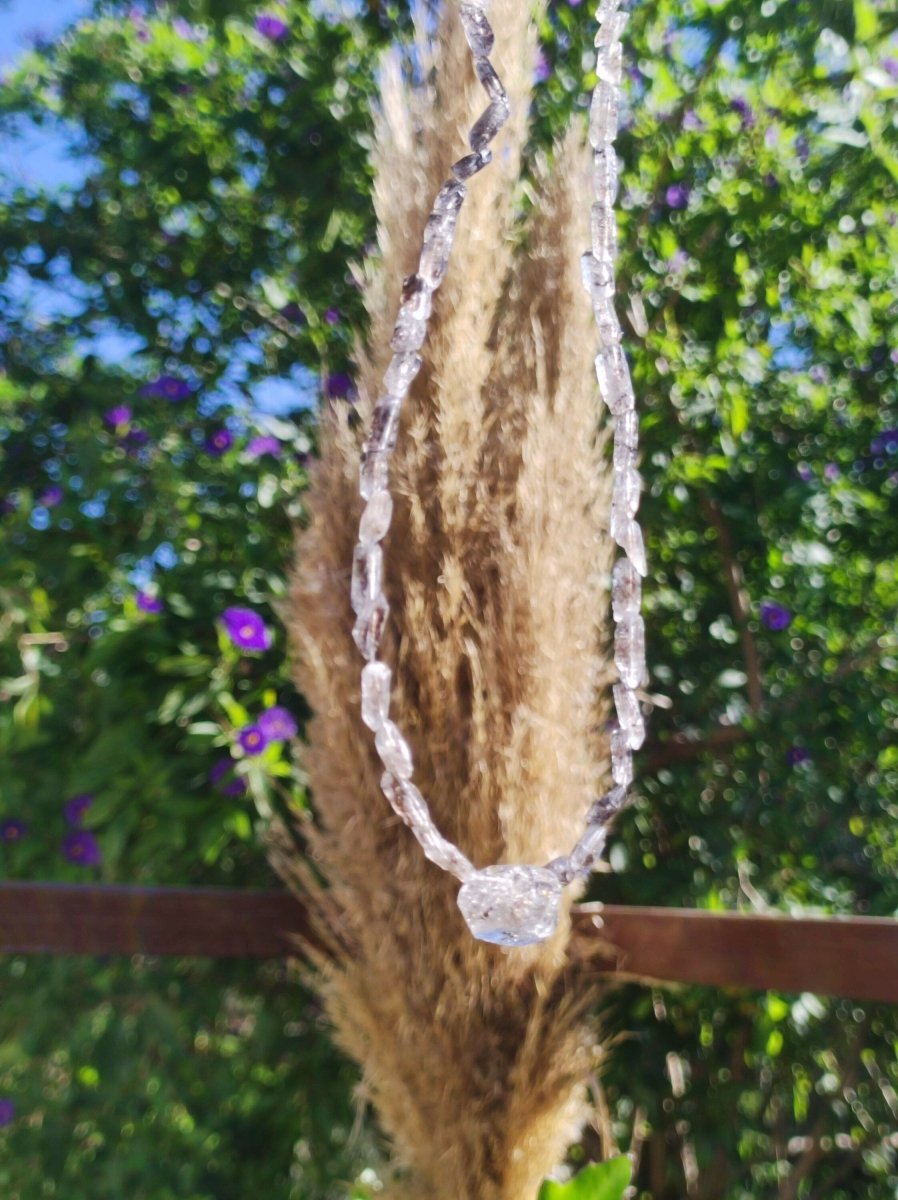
{"points": [[45, 158]]}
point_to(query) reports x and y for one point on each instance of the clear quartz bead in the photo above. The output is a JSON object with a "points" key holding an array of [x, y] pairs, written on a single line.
{"points": [[394, 751], [402, 370], [626, 430], [604, 234], [634, 547], [374, 475], [629, 714], [376, 678], [487, 126], [370, 625], [626, 590], [605, 175], [367, 575], [627, 490], [450, 198], [441, 852], [602, 810], [598, 277], [406, 801], [609, 62], [409, 331], [491, 82], [439, 234], [477, 29], [621, 759], [471, 164], [511, 905], [613, 373], [384, 430], [603, 114], [589, 849], [611, 27], [624, 457], [562, 868], [629, 650], [376, 517]]}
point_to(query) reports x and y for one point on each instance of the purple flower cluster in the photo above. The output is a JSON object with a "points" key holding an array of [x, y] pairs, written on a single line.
{"points": [[246, 629], [775, 616], [75, 808], [339, 386], [51, 496], [219, 442], [7, 1111], [276, 724], [82, 848], [149, 603], [259, 446], [677, 195], [118, 417], [252, 739], [885, 442], [222, 777]]}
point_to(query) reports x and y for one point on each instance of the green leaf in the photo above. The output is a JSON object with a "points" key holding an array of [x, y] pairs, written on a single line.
{"points": [[599, 1181]]}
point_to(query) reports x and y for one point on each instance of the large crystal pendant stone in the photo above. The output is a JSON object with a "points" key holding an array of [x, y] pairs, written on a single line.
{"points": [[511, 905]]}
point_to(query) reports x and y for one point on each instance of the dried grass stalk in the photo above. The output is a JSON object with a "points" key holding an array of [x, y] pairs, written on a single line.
{"points": [[475, 1057]]}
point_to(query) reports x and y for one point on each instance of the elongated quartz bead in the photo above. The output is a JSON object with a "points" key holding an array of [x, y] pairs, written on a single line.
{"points": [[376, 679], [624, 455], [487, 126], [450, 198], [367, 575], [629, 714], [634, 547], [402, 370], [626, 590], [406, 801], [607, 322], [477, 29], [627, 490], [395, 752], [605, 175], [589, 849], [602, 810], [370, 625], [562, 868], [376, 518], [629, 650], [621, 759], [598, 277], [626, 430], [621, 398], [409, 331], [384, 426], [492, 85], [603, 114], [604, 234], [374, 475], [609, 62], [439, 234], [471, 164], [611, 27], [441, 852]]}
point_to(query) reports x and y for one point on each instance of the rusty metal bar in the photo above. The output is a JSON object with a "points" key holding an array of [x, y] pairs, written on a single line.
{"points": [[855, 957]]}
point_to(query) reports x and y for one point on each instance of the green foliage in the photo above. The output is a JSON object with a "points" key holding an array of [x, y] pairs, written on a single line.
{"points": [[225, 193], [599, 1181]]}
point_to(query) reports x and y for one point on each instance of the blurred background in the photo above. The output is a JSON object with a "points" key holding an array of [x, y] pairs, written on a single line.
{"points": [[184, 190]]}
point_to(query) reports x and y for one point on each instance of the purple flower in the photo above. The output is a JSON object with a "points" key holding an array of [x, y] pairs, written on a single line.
{"points": [[831, 472], [222, 777], [796, 755], [272, 27], [885, 442], [333, 316], [167, 387], [805, 472], [677, 195], [692, 121], [52, 496], [277, 724], [293, 313], [252, 739], [118, 416], [339, 386], [219, 442], [775, 616], [890, 65], [543, 69], [149, 603], [82, 848], [246, 629], [135, 438], [12, 831], [258, 446], [817, 373], [75, 808], [744, 109], [7, 1111]]}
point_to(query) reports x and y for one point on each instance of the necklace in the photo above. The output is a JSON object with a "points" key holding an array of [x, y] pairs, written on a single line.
{"points": [[508, 904]]}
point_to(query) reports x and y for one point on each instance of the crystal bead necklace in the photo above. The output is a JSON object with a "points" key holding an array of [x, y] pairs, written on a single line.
{"points": [[507, 904]]}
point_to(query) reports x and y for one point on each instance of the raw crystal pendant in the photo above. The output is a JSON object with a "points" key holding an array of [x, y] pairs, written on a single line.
{"points": [[629, 714], [589, 849], [376, 694], [367, 575], [626, 590], [395, 752], [492, 85], [629, 650], [471, 164], [477, 29], [487, 126], [511, 905], [370, 625], [376, 518], [402, 370], [374, 475]]}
